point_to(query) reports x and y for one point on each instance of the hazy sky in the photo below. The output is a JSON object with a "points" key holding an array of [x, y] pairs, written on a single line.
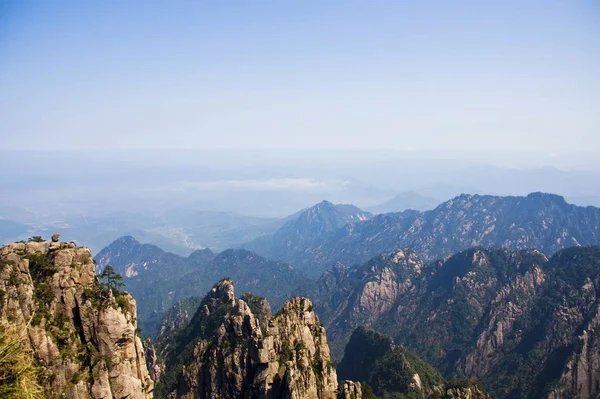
{"points": [[471, 75]]}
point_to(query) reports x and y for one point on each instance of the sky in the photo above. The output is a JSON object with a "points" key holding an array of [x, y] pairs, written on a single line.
{"points": [[439, 76]]}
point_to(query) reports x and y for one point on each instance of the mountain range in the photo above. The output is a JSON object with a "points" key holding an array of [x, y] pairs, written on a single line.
{"points": [[314, 239], [542, 221], [499, 290], [235, 348], [310, 228], [514, 323], [522, 324]]}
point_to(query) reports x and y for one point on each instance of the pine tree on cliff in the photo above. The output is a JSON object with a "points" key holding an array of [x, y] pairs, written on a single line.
{"points": [[114, 281]]}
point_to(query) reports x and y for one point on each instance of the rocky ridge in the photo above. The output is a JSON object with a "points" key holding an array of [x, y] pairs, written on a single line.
{"points": [[82, 336], [539, 220], [230, 351], [521, 323]]}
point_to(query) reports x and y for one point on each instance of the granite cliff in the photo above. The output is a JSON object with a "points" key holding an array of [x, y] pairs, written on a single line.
{"points": [[80, 336], [233, 349]]}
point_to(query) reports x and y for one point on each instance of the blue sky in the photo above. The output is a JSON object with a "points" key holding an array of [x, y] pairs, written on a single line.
{"points": [[408, 75]]}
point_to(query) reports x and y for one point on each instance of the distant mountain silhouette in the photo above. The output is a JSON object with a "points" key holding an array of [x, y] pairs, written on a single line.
{"points": [[543, 221]]}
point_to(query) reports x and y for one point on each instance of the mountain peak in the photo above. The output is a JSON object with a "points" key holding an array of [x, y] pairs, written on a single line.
{"points": [[223, 290], [555, 198], [126, 240], [292, 343], [126, 255], [326, 203], [202, 255]]}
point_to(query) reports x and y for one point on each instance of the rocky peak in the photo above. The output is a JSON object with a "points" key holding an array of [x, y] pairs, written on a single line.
{"points": [[127, 241], [81, 335], [223, 291], [283, 356], [202, 256], [322, 206], [260, 307], [318, 221], [547, 197], [128, 256], [339, 269]]}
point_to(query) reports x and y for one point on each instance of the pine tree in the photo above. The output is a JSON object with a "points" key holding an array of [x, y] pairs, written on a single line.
{"points": [[114, 281]]}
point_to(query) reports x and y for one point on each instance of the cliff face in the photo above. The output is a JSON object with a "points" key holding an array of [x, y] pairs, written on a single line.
{"points": [[364, 294], [229, 352], [581, 376], [81, 336], [520, 323]]}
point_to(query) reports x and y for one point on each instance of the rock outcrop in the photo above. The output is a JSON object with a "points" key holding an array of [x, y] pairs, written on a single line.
{"points": [[82, 336], [581, 376], [229, 352], [521, 324], [466, 391]]}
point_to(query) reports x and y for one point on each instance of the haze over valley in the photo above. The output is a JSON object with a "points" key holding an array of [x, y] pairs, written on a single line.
{"points": [[187, 200]]}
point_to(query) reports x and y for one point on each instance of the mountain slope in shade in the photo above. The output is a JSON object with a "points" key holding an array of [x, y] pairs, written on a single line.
{"points": [[309, 228], [523, 325], [542, 221], [394, 371], [129, 257], [158, 279], [403, 201]]}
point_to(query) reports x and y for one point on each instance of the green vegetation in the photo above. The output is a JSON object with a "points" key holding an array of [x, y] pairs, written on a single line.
{"points": [[110, 280], [367, 391], [19, 376], [285, 353], [181, 343], [394, 373], [460, 384], [5, 263], [41, 270], [40, 267], [123, 303], [536, 357], [363, 350], [386, 371], [260, 309], [36, 239]]}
